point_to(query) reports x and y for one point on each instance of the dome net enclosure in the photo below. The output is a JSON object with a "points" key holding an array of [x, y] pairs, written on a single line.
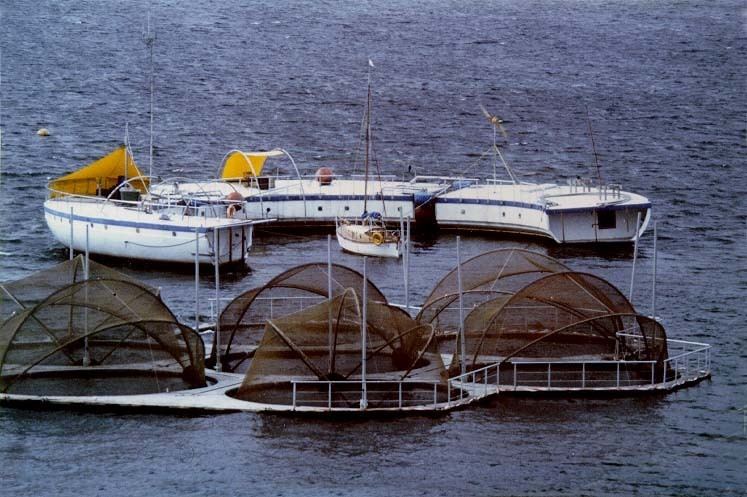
{"points": [[27, 292], [242, 322], [104, 336], [498, 328], [323, 343], [484, 277]]}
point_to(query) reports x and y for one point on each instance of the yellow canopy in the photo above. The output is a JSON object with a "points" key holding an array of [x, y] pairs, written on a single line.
{"points": [[101, 176], [238, 165]]}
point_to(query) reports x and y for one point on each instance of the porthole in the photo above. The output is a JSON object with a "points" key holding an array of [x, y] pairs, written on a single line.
{"points": [[347, 208], [463, 211], [519, 215], [268, 209], [503, 214], [173, 233], [319, 208]]}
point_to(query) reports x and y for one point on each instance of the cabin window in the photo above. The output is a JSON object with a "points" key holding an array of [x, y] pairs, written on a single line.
{"points": [[606, 220]]}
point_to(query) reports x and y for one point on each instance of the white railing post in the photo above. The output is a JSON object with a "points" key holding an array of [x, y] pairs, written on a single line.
{"points": [[497, 376], [399, 395], [583, 375], [435, 394], [653, 368], [549, 375], [448, 391], [618, 375], [514, 375], [294, 395]]}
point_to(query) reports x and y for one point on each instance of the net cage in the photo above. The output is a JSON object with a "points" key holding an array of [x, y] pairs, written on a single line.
{"points": [[242, 322], [484, 277], [568, 317], [314, 358], [108, 335]]}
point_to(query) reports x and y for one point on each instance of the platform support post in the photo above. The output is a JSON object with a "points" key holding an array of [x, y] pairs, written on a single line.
{"points": [[364, 394], [653, 283], [216, 341], [86, 275], [635, 255], [462, 341], [330, 336], [197, 280]]}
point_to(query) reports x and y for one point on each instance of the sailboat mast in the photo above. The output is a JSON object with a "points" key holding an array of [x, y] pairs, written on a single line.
{"points": [[149, 41], [368, 139]]}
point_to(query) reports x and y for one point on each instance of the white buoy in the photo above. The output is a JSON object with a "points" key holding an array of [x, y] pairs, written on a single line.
{"points": [[43, 132]]}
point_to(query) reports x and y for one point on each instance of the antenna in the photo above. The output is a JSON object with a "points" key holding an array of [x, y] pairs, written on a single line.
{"points": [[150, 39], [593, 147]]}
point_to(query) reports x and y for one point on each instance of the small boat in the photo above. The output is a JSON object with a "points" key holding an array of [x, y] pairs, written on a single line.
{"points": [[368, 235], [108, 208]]}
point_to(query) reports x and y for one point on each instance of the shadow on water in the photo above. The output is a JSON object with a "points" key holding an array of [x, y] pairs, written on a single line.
{"points": [[346, 435]]}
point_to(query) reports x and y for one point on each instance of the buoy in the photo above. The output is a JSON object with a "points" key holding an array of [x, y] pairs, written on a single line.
{"points": [[324, 175], [377, 237], [43, 132]]}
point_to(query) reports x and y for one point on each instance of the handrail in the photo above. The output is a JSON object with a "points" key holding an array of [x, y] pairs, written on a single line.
{"points": [[399, 402]]}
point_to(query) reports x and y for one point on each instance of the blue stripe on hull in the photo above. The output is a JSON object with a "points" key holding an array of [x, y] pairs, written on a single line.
{"points": [[131, 224]]}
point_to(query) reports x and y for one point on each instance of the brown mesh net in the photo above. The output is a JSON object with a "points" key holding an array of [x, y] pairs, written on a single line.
{"points": [[242, 322], [26, 292], [324, 342], [81, 338], [497, 328], [484, 277]]}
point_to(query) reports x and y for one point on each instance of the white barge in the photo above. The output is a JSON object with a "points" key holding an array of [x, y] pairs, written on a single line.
{"points": [[573, 213]]}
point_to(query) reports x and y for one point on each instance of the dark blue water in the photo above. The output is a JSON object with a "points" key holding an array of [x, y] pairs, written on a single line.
{"points": [[664, 83]]}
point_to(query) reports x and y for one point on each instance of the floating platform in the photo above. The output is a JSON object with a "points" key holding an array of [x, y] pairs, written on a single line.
{"points": [[691, 365]]}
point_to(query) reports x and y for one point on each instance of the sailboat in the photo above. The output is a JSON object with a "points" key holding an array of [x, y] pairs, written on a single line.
{"points": [[109, 207], [368, 234]]}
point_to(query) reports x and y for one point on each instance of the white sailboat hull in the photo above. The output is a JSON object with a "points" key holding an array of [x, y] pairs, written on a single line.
{"points": [[365, 247], [118, 230]]}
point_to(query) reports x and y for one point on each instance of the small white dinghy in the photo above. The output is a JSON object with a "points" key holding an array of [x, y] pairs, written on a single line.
{"points": [[368, 235]]}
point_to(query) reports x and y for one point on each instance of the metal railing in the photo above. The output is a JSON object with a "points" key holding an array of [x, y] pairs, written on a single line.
{"points": [[349, 394], [691, 361], [303, 302]]}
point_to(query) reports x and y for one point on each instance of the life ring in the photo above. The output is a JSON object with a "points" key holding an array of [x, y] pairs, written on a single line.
{"points": [[231, 210], [377, 237]]}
